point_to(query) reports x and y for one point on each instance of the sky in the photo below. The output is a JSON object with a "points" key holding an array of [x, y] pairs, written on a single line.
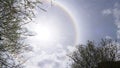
{"points": [[67, 23]]}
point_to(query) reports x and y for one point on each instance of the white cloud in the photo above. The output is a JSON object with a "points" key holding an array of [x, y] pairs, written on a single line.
{"points": [[106, 12], [116, 14], [108, 37], [51, 57]]}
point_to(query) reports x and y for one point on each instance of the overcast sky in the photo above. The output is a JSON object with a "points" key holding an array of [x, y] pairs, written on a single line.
{"points": [[95, 19]]}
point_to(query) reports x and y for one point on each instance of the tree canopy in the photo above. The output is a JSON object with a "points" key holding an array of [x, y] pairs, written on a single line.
{"points": [[14, 14], [89, 55]]}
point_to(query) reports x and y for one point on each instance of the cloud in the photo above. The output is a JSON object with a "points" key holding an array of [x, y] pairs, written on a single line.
{"points": [[116, 14], [108, 37], [51, 57], [107, 12]]}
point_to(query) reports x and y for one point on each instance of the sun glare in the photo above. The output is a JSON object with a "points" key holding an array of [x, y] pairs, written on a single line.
{"points": [[46, 33]]}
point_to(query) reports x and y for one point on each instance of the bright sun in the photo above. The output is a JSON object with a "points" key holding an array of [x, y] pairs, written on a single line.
{"points": [[46, 33]]}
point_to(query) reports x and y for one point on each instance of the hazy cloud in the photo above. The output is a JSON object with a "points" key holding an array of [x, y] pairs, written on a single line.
{"points": [[108, 37], [106, 12], [116, 14], [55, 57]]}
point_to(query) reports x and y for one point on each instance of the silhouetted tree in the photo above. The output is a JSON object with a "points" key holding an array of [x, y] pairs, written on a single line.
{"points": [[14, 14], [89, 55]]}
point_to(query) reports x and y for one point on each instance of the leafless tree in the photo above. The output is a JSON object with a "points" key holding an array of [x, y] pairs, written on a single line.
{"points": [[89, 55], [14, 14]]}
